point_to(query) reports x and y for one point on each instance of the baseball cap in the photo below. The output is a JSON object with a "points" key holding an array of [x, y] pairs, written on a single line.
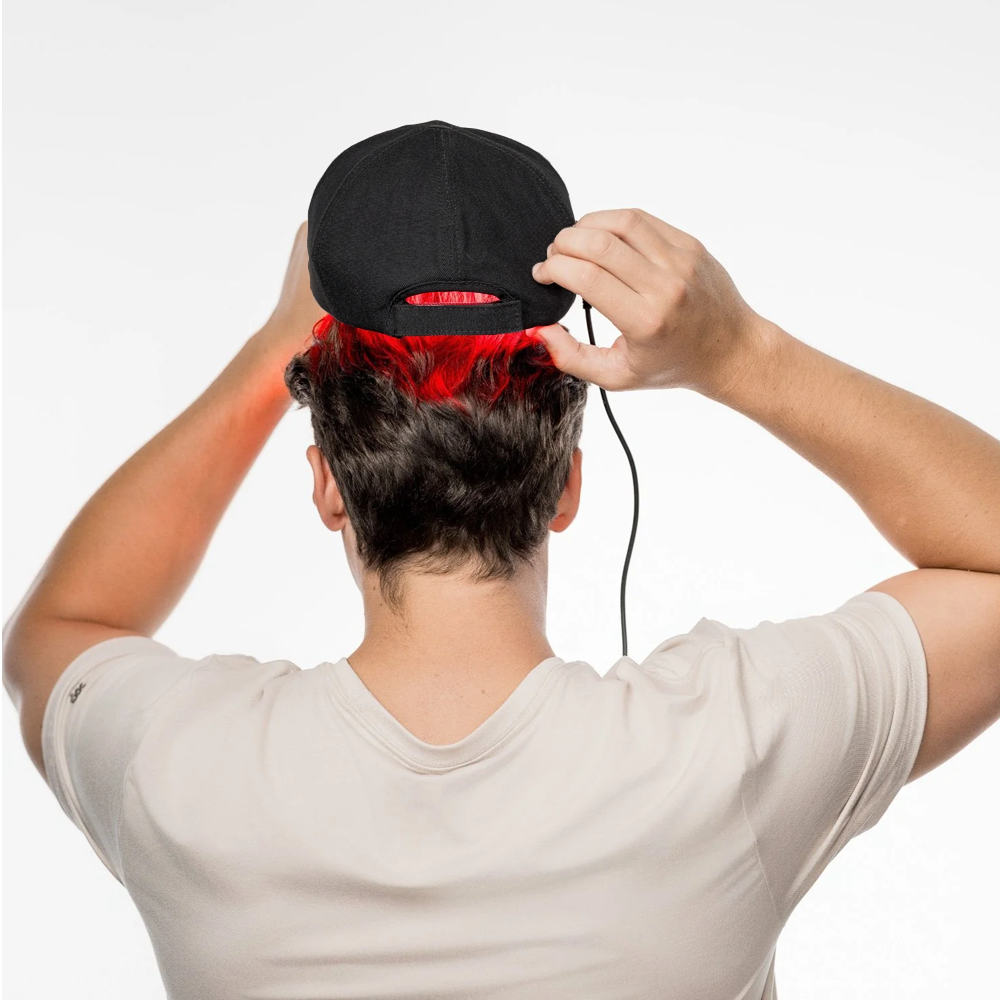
{"points": [[436, 207]]}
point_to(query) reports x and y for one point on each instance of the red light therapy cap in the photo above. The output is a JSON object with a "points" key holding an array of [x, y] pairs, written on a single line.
{"points": [[435, 207]]}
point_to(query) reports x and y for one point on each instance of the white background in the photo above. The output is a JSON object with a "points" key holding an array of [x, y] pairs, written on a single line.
{"points": [[839, 159]]}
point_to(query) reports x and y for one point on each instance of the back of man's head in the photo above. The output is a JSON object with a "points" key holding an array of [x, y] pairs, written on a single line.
{"points": [[448, 451]]}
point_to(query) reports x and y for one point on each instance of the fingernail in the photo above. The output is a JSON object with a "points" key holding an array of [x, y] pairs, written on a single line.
{"points": [[548, 251], [534, 269]]}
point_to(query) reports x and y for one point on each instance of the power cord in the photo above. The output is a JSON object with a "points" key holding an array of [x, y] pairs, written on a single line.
{"points": [[635, 485]]}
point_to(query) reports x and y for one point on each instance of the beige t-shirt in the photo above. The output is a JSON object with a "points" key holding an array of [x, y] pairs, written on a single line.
{"points": [[644, 834]]}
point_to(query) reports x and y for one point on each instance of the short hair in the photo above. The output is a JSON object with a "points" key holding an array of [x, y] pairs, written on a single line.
{"points": [[447, 450]]}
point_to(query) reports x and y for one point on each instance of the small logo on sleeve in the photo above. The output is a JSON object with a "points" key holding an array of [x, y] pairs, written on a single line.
{"points": [[75, 693]]}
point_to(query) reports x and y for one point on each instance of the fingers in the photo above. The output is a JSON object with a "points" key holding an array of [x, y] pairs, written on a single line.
{"points": [[605, 292], [607, 250], [634, 269], [607, 254], [600, 365], [640, 230]]}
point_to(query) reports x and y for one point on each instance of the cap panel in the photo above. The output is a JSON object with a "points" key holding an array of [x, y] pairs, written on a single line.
{"points": [[345, 162], [387, 226], [508, 215], [338, 171], [544, 166], [437, 207]]}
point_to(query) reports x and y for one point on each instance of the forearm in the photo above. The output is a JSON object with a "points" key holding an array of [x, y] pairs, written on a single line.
{"points": [[926, 478], [129, 554]]}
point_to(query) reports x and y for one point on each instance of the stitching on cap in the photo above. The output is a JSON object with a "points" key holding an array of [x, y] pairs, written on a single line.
{"points": [[372, 154], [450, 194], [556, 196]]}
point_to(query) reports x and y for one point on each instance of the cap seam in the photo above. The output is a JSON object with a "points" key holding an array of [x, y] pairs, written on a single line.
{"points": [[377, 312], [452, 203], [521, 158], [372, 154]]}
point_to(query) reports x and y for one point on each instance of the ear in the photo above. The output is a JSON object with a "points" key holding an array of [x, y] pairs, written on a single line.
{"points": [[569, 502], [326, 493]]}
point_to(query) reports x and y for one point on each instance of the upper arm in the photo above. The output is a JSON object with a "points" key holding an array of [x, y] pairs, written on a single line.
{"points": [[828, 713], [957, 614], [35, 656], [87, 695]]}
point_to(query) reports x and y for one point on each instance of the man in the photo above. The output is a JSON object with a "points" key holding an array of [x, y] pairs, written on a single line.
{"points": [[453, 809]]}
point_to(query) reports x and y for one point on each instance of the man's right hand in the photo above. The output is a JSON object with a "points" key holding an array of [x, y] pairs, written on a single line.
{"points": [[681, 319], [926, 478]]}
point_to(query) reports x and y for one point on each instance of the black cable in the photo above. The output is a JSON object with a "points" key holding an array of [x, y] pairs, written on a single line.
{"points": [[635, 485]]}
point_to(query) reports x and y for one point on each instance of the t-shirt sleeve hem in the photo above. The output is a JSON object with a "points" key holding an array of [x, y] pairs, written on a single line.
{"points": [[909, 713], [54, 721]]}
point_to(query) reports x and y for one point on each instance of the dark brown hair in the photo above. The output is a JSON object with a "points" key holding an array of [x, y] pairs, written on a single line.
{"points": [[447, 450]]}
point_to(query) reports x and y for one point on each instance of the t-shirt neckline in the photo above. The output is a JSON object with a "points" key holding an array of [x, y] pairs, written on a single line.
{"points": [[363, 708]]}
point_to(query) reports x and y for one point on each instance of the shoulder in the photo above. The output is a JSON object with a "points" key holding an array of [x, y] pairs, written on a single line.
{"points": [[677, 656]]}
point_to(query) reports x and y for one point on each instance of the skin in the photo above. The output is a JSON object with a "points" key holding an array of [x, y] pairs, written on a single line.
{"points": [[925, 477], [459, 649], [128, 556]]}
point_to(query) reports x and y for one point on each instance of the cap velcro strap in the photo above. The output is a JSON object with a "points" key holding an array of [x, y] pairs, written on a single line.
{"points": [[406, 320]]}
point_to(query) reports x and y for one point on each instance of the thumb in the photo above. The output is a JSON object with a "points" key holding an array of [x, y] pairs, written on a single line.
{"points": [[570, 355]]}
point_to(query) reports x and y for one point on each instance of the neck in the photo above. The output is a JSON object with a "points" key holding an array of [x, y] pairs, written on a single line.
{"points": [[454, 632]]}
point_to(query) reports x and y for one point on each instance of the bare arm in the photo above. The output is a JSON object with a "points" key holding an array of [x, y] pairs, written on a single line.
{"points": [[130, 553], [930, 483], [927, 479]]}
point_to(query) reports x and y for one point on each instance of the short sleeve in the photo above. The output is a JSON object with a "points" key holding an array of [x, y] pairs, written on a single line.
{"points": [[94, 719], [829, 711]]}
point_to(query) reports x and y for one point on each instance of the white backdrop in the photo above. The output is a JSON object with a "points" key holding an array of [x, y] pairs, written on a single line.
{"points": [[839, 159]]}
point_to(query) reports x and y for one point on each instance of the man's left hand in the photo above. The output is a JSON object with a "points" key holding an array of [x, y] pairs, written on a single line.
{"points": [[288, 330]]}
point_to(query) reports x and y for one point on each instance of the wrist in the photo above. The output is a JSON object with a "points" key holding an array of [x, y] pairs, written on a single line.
{"points": [[262, 362], [749, 365]]}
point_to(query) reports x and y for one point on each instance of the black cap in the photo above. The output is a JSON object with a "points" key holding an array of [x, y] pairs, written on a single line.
{"points": [[435, 207]]}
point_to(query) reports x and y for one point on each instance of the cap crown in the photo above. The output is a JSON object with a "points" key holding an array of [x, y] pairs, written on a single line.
{"points": [[435, 207]]}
